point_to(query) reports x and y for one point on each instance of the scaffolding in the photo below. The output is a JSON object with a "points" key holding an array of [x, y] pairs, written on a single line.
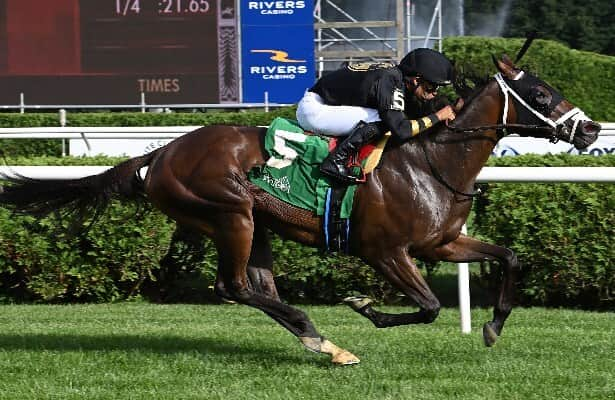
{"points": [[348, 39]]}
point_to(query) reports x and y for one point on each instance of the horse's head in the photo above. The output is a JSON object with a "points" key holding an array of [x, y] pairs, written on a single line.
{"points": [[537, 103]]}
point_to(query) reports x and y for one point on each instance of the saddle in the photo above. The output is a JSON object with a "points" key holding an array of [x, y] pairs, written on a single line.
{"points": [[367, 159], [292, 174]]}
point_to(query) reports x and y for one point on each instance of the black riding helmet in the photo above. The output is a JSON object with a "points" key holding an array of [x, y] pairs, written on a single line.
{"points": [[429, 65]]}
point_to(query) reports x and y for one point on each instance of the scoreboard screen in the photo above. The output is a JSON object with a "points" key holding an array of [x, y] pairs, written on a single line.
{"points": [[111, 51]]}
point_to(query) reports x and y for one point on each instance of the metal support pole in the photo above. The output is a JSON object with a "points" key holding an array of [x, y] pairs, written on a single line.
{"points": [[408, 30], [399, 21], [433, 20], [440, 26], [317, 16], [22, 104], [462, 29]]}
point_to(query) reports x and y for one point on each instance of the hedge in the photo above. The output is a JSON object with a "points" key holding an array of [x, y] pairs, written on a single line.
{"points": [[562, 233], [586, 79], [565, 262]]}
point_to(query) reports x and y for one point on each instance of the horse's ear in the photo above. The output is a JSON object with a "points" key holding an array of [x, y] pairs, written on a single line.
{"points": [[508, 61], [505, 65]]}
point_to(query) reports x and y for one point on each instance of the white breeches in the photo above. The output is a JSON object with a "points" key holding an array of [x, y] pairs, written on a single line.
{"points": [[316, 116]]}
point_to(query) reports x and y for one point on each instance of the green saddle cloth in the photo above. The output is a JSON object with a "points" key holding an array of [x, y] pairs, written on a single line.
{"points": [[292, 172]]}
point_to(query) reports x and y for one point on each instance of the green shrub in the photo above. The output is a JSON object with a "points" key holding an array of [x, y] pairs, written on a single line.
{"points": [[585, 79], [111, 262], [562, 233]]}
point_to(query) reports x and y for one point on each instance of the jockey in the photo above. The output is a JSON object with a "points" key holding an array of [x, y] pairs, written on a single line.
{"points": [[363, 101]]}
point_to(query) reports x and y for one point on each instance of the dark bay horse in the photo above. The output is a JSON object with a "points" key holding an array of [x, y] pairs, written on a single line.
{"points": [[412, 206]]}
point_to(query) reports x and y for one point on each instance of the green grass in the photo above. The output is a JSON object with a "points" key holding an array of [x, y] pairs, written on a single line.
{"points": [[144, 351]]}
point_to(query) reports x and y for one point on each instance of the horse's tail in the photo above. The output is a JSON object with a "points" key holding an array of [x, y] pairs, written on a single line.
{"points": [[79, 199]]}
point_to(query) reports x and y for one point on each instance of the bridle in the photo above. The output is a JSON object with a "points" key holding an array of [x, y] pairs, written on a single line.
{"points": [[575, 114], [552, 128]]}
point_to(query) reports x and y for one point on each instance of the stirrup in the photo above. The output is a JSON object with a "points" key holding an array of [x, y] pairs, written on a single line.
{"points": [[346, 179], [343, 178]]}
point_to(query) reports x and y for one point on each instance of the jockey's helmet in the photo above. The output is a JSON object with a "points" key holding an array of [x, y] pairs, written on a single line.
{"points": [[429, 65]]}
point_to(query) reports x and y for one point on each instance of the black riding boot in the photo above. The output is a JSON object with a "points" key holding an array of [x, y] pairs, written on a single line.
{"points": [[335, 165]]}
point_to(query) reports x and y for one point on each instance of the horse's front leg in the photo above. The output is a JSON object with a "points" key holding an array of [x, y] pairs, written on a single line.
{"points": [[401, 271], [467, 249]]}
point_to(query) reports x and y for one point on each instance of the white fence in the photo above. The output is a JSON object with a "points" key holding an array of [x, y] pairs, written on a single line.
{"points": [[139, 140], [102, 132], [488, 174], [138, 132]]}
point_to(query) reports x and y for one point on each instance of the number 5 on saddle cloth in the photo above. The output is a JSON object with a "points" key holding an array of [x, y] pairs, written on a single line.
{"points": [[292, 175]]}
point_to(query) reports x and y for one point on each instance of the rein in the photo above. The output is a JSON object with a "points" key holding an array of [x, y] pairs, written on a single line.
{"points": [[440, 179], [498, 127], [471, 129]]}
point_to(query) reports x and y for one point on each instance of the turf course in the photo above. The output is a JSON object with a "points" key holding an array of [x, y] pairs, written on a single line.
{"points": [[146, 351]]}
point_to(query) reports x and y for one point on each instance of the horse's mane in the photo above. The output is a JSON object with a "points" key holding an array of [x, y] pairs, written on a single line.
{"points": [[469, 81]]}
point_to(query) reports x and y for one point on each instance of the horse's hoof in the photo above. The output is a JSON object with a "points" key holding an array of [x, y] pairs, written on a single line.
{"points": [[489, 335], [339, 356], [345, 358], [358, 302]]}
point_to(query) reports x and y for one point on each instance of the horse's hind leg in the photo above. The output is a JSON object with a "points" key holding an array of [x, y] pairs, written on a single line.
{"points": [[402, 272], [259, 269], [233, 240], [188, 246], [467, 249], [260, 264], [185, 250]]}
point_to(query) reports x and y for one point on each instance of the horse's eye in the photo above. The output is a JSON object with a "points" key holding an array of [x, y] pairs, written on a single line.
{"points": [[542, 96]]}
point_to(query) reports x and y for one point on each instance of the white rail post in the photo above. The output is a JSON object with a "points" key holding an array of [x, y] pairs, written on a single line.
{"points": [[463, 280], [22, 103], [142, 102], [62, 116]]}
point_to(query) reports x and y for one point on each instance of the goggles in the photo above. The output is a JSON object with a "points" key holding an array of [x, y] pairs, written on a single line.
{"points": [[429, 87]]}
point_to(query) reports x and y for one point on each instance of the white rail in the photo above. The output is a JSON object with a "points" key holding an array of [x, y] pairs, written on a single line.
{"points": [[137, 132], [488, 174], [102, 132], [547, 174], [139, 140]]}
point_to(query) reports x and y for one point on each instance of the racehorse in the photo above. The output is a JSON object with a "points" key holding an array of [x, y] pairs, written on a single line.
{"points": [[412, 206]]}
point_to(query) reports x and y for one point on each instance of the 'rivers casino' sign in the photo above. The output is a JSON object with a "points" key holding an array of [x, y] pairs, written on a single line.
{"points": [[277, 42]]}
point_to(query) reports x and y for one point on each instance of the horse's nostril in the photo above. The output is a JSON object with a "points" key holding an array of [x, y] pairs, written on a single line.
{"points": [[590, 128]]}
